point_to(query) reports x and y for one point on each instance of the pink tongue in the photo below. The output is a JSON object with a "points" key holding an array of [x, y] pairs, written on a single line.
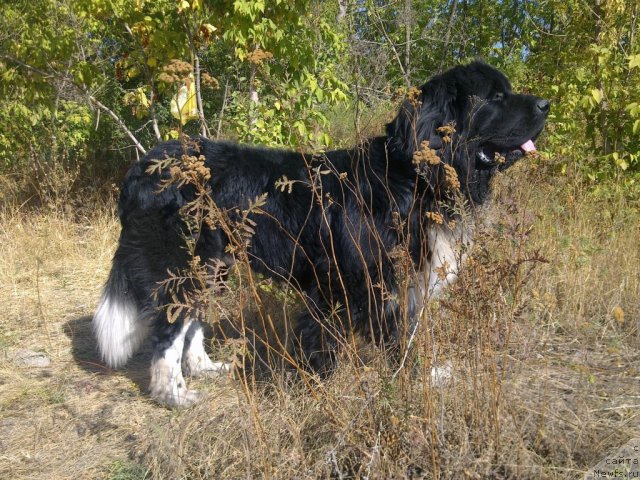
{"points": [[528, 146]]}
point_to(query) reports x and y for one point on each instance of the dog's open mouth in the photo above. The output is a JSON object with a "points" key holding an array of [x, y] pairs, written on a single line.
{"points": [[489, 155]]}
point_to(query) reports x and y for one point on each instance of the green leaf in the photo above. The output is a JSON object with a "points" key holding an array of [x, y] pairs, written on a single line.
{"points": [[302, 129]]}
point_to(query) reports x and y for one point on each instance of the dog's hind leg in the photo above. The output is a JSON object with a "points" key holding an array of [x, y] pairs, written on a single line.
{"points": [[316, 349], [167, 383], [196, 361]]}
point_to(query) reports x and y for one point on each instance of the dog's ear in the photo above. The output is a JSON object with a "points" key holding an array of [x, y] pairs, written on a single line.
{"points": [[420, 116]]}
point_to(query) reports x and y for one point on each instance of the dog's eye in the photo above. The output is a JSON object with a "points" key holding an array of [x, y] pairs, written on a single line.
{"points": [[498, 97]]}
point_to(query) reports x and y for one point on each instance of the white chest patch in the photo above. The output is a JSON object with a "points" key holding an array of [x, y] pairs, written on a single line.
{"points": [[447, 250]]}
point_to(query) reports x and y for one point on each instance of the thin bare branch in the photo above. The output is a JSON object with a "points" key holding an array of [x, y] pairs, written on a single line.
{"points": [[447, 37], [203, 122], [222, 109], [53, 75], [390, 42]]}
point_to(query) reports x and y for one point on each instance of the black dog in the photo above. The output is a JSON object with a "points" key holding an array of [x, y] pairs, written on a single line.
{"points": [[331, 232]]}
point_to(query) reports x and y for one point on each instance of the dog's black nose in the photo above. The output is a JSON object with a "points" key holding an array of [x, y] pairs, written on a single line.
{"points": [[543, 105]]}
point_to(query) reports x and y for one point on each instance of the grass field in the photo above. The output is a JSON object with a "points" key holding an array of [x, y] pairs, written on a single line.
{"points": [[541, 335]]}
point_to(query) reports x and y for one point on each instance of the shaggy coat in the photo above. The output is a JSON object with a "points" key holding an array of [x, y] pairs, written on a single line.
{"points": [[332, 232]]}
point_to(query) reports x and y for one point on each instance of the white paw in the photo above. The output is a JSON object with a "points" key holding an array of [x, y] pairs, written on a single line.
{"points": [[177, 398], [202, 366]]}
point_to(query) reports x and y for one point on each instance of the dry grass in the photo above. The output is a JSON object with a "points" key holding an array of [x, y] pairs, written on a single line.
{"points": [[546, 377]]}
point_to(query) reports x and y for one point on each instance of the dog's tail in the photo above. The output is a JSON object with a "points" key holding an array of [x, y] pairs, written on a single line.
{"points": [[116, 324]]}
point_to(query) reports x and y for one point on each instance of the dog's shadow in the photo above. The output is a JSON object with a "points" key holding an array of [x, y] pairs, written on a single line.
{"points": [[85, 353]]}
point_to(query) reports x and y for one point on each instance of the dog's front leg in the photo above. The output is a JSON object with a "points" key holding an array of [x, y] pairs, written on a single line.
{"points": [[196, 361], [167, 385]]}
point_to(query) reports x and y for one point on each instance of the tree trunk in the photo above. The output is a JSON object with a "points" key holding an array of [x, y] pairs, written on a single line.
{"points": [[602, 107], [408, 21], [342, 11], [204, 129], [253, 92], [447, 37]]}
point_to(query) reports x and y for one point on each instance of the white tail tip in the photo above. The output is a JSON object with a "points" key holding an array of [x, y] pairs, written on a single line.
{"points": [[117, 329]]}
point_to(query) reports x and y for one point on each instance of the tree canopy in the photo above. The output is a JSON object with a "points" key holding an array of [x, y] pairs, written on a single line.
{"points": [[94, 80]]}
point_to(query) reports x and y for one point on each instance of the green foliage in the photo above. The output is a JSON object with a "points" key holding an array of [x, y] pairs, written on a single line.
{"points": [[82, 79], [583, 57], [289, 61], [592, 73]]}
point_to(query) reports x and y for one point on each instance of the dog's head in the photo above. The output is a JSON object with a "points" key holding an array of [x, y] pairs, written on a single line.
{"points": [[494, 127]]}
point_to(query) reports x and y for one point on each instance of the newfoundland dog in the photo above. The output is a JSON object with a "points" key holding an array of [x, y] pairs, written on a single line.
{"points": [[346, 227]]}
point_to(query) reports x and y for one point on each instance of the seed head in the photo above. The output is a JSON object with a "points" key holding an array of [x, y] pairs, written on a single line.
{"points": [[425, 155], [451, 177], [435, 217]]}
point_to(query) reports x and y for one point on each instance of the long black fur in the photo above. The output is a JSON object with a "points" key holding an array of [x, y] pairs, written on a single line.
{"points": [[348, 209]]}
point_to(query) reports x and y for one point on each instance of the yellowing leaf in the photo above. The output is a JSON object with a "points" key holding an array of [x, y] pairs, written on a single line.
{"points": [[133, 72], [142, 97], [210, 28], [171, 135], [620, 162], [596, 93], [183, 104], [302, 129]]}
